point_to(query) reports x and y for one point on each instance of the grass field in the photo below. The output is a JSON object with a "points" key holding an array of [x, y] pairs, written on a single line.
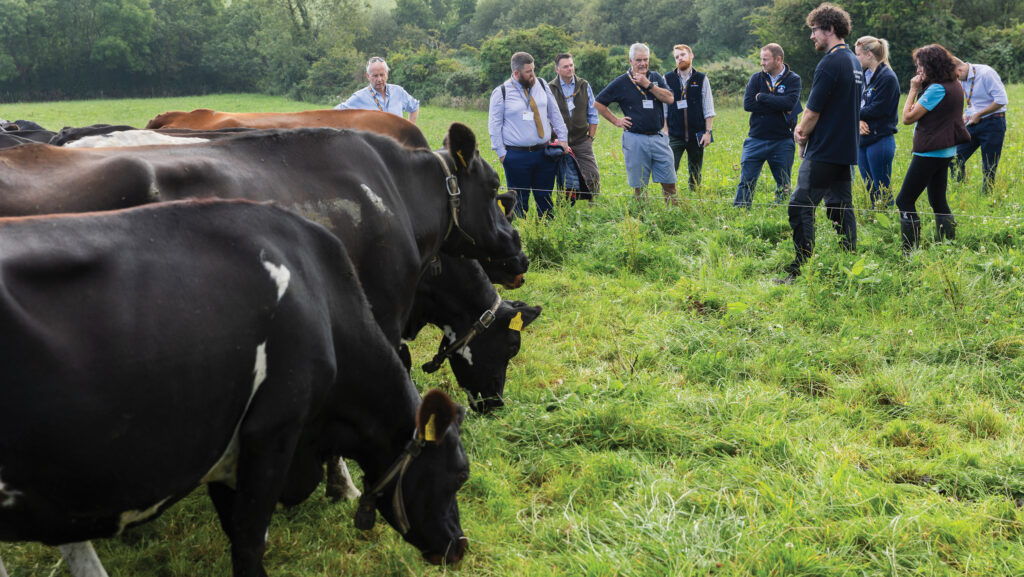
{"points": [[673, 412]]}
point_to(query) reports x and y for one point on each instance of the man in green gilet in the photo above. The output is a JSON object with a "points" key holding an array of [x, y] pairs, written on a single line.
{"points": [[575, 100]]}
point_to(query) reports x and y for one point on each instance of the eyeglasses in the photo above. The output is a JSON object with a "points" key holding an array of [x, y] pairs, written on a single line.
{"points": [[374, 59], [815, 29]]}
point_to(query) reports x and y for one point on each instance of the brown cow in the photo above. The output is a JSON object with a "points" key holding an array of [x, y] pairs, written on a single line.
{"points": [[396, 127]]}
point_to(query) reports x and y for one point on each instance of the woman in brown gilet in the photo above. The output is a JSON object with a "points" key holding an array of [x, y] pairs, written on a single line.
{"points": [[935, 102]]}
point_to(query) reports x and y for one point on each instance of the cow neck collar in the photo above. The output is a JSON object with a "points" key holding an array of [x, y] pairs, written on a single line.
{"points": [[454, 199], [446, 351], [366, 513]]}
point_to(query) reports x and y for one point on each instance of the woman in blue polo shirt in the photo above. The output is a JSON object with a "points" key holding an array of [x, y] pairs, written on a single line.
{"points": [[878, 118], [935, 102]]}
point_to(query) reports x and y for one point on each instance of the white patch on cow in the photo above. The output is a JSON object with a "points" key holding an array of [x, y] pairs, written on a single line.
{"points": [[7, 495], [281, 276], [377, 201], [464, 352], [225, 470], [130, 517], [132, 138], [323, 211], [82, 559]]}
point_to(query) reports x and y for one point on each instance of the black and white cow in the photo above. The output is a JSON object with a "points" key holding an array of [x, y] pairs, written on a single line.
{"points": [[219, 342]]}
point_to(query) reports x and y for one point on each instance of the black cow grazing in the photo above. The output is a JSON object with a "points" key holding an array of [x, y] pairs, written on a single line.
{"points": [[218, 342], [393, 207], [482, 332]]}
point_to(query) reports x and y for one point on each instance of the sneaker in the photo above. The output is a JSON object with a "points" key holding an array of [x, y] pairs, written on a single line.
{"points": [[787, 280]]}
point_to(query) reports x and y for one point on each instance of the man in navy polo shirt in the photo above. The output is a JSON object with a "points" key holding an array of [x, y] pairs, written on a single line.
{"points": [[773, 101], [827, 136], [642, 94], [985, 118]]}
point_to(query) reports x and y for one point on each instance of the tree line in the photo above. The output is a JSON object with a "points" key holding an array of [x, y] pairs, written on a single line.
{"points": [[445, 51]]}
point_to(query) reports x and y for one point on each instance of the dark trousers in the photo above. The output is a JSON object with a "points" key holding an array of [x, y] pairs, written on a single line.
{"points": [[817, 181], [924, 172], [988, 135], [779, 156], [526, 171], [694, 156]]}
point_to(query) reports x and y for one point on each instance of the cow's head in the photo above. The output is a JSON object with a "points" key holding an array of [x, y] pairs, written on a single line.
{"points": [[485, 231], [430, 482], [481, 365]]}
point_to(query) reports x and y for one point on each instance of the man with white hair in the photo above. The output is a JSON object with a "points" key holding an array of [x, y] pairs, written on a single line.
{"points": [[380, 95], [641, 95]]}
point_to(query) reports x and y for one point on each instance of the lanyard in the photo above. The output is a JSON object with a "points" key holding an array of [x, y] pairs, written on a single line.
{"points": [[377, 102], [576, 90], [838, 47], [525, 93], [974, 80], [772, 88], [637, 86]]}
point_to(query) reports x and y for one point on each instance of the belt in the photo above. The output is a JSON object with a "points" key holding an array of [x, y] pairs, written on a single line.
{"points": [[526, 148], [996, 115], [646, 133]]}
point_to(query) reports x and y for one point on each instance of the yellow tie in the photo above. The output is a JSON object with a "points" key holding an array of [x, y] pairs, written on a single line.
{"points": [[536, 115]]}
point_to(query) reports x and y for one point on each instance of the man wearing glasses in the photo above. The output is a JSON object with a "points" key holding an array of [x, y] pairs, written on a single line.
{"points": [[827, 136], [380, 95]]}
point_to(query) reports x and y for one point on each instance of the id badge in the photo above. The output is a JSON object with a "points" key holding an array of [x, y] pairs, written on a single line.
{"points": [[648, 104], [528, 115], [571, 106], [681, 104]]}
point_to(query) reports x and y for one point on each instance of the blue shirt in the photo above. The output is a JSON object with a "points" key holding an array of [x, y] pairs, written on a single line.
{"points": [[983, 87], [510, 119], [835, 95], [395, 100], [631, 100], [931, 98], [569, 89]]}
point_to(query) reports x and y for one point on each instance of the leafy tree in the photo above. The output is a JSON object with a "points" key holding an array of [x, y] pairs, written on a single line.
{"points": [[542, 42], [725, 29]]}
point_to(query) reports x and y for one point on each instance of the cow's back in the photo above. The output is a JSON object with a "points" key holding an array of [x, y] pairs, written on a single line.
{"points": [[135, 341]]}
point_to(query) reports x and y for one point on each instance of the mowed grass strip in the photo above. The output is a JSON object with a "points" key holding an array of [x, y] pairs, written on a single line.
{"points": [[672, 412]]}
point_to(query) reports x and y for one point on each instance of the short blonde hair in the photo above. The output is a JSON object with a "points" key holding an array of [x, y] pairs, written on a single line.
{"points": [[877, 46], [685, 47], [775, 50]]}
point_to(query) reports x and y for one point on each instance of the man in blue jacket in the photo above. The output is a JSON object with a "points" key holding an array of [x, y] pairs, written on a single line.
{"points": [[773, 101]]}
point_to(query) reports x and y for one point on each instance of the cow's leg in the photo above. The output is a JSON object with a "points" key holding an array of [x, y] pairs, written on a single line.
{"points": [[3, 572], [339, 481], [82, 559]]}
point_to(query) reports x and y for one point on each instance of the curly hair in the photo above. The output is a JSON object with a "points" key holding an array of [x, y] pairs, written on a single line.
{"points": [[937, 63], [828, 15]]}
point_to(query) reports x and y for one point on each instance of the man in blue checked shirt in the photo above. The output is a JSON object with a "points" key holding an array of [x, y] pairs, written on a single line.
{"points": [[985, 117], [380, 95], [575, 100]]}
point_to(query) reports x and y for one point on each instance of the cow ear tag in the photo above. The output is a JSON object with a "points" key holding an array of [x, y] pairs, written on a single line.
{"points": [[516, 323], [501, 205], [430, 431]]}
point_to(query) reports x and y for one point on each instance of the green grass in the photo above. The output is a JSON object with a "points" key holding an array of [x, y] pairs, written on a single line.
{"points": [[672, 412]]}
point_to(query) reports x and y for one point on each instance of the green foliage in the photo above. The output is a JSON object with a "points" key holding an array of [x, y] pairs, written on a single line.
{"points": [[730, 77], [543, 42]]}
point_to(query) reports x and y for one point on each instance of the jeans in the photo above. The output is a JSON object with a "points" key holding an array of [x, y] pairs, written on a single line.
{"points": [[988, 135], [779, 156], [525, 171], [875, 163]]}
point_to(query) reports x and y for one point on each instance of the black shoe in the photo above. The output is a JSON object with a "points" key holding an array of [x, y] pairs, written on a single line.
{"points": [[787, 280]]}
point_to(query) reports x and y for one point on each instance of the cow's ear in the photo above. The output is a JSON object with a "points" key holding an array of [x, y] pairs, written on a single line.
{"points": [[437, 413], [522, 315], [461, 142]]}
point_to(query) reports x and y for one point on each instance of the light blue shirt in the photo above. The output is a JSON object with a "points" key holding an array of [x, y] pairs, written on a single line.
{"points": [[983, 87], [510, 121], [394, 101], [567, 92], [931, 98]]}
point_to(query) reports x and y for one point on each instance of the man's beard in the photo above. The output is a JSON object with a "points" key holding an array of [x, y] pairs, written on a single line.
{"points": [[527, 84]]}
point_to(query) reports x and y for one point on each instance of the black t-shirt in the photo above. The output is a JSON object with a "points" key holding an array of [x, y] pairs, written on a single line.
{"points": [[835, 95], [631, 100]]}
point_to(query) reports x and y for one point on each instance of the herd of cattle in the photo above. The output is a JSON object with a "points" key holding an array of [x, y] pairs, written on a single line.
{"points": [[223, 299]]}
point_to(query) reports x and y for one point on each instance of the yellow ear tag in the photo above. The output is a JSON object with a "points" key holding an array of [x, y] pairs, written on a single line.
{"points": [[430, 432], [459, 154], [516, 323], [501, 205]]}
